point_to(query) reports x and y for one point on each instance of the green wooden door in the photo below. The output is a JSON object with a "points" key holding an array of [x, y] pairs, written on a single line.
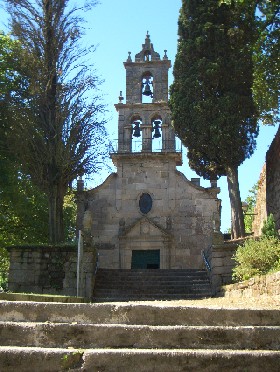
{"points": [[145, 259]]}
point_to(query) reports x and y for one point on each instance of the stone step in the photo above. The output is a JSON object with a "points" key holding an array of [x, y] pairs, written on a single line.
{"points": [[154, 271], [121, 297], [115, 285], [153, 283], [152, 277], [152, 297], [155, 289], [161, 294], [145, 313], [65, 335], [136, 337], [104, 273], [130, 360], [139, 298]]}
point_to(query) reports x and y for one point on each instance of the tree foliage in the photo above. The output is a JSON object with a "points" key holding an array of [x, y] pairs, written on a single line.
{"points": [[23, 208], [7, 74], [4, 267], [211, 97], [57, 123], [269, 227], [23, 214], [10, 82], [250, 202], [266, 58], [267, 61], [257, 257]]}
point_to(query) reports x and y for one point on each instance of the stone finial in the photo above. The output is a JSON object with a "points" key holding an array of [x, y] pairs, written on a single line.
{"points": [[121, 97], [147, 53], [213, 183], [195, 181], [129, 59], [80, 184], [165, 54]]}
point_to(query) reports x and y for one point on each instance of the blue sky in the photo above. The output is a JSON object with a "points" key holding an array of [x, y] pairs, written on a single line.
{"points": [[121, 26], [117, 27]]}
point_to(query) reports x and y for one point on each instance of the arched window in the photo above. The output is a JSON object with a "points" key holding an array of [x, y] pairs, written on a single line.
{"points": [[136, 144], [147, 55], [156, 134], [147, 88]]}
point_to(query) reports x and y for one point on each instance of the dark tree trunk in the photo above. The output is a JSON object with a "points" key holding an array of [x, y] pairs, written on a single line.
{"points": [[56, 222], [237, 217], [59, 213], [52, 218]]}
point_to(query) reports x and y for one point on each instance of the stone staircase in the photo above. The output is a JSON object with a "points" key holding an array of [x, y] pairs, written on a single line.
{"points": [[133, 285], [145, 336]]}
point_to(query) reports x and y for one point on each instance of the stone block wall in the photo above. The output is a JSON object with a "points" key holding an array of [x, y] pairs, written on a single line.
{"points": [[50, 270], [273, 179], [157, 69], [260, 208], [266, 285], [180, 223], [220, 258]]}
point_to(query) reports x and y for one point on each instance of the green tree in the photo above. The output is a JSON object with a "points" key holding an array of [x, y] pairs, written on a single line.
{"points": [[6, 75], [211, 97], [57, 127], [250, 203], [267, 61], [23, 208], [266, 58], [10, 82], [23, 214], [269, 227], [257, 257]]}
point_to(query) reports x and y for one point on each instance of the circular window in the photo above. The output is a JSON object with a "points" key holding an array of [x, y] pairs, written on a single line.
{"points": [[145, 203]]}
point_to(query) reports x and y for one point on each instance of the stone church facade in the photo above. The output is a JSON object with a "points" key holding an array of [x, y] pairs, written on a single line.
{"points": [[148, 214]]}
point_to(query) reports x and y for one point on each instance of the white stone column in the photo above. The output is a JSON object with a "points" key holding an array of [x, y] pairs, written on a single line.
{"points": [[146, 138], [168, 138], [127, 139]]}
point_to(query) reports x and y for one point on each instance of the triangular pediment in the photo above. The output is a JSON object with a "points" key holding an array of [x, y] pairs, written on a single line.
{"points": [[144, 227]]}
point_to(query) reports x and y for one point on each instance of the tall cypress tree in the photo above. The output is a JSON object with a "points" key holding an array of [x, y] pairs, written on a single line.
{"points": [[211, 97]]}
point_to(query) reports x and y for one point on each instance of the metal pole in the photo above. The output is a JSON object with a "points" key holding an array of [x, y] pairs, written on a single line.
{"points": [[80, 254]]}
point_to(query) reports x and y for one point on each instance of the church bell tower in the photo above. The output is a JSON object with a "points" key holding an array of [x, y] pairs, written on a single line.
{"points": [[148, 215], [144, 125]]}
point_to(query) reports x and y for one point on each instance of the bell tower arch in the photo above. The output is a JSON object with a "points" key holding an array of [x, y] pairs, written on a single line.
{"points": [[144, 118]]}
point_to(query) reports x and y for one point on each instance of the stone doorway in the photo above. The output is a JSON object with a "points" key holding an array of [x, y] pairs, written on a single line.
{"points": [[145, 259]]}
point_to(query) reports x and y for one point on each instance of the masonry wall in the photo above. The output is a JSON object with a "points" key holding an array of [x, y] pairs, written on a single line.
{"points": [[273, 179], [266, 285], [49, 270], [182, 219], [260, 208], [220, 258]]}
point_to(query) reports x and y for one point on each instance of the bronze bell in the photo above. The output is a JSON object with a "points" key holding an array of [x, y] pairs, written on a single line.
{"points": [[156, 129], [147, 90], [136, 129]]}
